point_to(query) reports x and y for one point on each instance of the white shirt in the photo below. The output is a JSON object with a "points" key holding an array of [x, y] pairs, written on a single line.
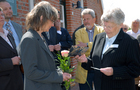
{"points": [[59, 32], [108, 43], [4, 36], [130, 32]]}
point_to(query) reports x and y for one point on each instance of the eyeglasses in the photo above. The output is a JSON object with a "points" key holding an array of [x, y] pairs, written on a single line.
{"points": [[109, 27], [124, 28]]}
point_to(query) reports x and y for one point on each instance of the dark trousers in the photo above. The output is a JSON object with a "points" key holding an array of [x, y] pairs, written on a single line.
{"points": [[137, 88], [87, 86]]}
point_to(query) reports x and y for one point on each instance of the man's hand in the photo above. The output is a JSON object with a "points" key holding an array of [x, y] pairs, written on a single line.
{"points": [[16, 60], [108, 71], [51, 47], [81, 58], [81, 44], [66, 76], [57, 47]]}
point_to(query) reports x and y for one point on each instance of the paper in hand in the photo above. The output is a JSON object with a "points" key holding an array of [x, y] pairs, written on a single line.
{"points": [[76, 50]]}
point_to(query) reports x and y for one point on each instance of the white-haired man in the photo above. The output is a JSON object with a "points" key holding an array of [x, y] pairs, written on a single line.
{"points": [[135, 28]]}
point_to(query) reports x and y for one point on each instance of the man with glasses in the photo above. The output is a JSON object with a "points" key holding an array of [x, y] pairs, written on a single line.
{"points": [[125, 27]]}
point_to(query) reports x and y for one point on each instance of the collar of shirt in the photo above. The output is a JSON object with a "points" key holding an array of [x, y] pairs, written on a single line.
{"points": [[59, 32], [90, 30], [7, 22], [109, 42], [136, 32], [4, 34], [112, 39]]}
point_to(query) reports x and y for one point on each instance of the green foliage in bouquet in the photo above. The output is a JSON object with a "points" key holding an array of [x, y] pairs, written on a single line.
{"points": [[65, 67]]}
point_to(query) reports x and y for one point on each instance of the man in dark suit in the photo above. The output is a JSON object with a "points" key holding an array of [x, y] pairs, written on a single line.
{"points": [[64, 39], [10, 75], [51, 39], [63, 36], [15, 28], [115, 56]]}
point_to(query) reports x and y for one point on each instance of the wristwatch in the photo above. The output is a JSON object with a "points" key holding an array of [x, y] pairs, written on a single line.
{"points": [[87, 44]]}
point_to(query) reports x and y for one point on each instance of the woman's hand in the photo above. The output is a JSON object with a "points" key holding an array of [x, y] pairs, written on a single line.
{"points": [[81, 58], [108, 71], [66, 76]]}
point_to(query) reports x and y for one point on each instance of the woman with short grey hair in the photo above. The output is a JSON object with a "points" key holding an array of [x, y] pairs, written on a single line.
{"points": [[38, 62], [115, 56], [115, 16]]}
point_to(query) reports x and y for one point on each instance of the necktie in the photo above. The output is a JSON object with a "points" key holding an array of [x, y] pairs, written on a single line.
{"points": [[8, 27], [11, 39], [48, 35]]}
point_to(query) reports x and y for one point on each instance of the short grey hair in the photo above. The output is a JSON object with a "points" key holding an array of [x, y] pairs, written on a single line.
{"points": [[88, 11], [115, 15], [44, 9]]}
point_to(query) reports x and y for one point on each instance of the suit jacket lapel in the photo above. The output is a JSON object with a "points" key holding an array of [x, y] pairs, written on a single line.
{"points": [[85, 34], [4, 43], [41, 42], [19, 32], [101, 44], [95, 31]]}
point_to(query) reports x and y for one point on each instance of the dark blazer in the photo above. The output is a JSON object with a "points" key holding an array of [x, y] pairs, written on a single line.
{"points": [[18, 29], [64, 39], [52, 41], [10, 75], [125, 61], [53, 36], [39, 66]]}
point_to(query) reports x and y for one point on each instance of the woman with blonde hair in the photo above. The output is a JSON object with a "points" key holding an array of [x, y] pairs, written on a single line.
{"points": [[39, 65]]}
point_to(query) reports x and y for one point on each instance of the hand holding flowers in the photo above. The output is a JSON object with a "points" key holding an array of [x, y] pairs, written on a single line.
{"points": [[64, 61]]}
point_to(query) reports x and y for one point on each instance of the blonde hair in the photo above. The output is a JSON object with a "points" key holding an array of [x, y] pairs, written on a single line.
{"points": [[44, 9]]}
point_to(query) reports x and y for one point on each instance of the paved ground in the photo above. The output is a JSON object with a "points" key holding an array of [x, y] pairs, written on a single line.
{"points": [[75, 87]]}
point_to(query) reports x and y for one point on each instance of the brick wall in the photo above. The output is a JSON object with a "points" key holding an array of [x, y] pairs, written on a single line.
{"points": [[73, 21]]}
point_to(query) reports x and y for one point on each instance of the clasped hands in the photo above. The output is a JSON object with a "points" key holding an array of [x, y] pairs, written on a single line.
{"points": [[16, 60], [108, 71], [54, 47]]}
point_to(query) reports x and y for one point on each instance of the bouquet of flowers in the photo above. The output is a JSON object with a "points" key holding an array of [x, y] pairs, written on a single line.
{"points": [[64, 61]]}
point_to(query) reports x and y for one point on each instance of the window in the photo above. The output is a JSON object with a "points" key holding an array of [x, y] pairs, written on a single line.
{"points": [[13, 4], [31, 4], [82, 5], [62, 16]]}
